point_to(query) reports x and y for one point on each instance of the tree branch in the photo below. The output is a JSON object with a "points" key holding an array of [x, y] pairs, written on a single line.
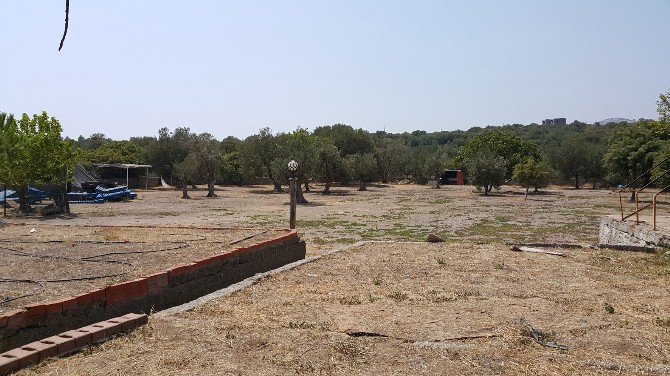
{"points": [[67, 18]]}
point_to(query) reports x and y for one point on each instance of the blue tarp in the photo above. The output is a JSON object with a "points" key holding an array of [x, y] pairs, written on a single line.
{"points": [[101, 195], [35, 194], [115, 193], [11, 195], [84, 198]]}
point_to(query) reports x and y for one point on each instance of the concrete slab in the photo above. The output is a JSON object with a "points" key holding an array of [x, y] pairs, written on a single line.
{"points": [[630, 235]]}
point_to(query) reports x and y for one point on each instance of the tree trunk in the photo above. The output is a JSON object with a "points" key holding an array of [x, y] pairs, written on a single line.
{"points": [[594, 183], [526, 196], [326, 188], [66, 198], [577, 180], [385, 178], [361, 185], [184, 192], [210, 189], [306, 186], [277, 187], [24, 207], [299, 197], [486, 190]]}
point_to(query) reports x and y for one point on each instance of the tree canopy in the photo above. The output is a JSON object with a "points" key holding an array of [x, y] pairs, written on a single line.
{"points": [[33, 153], [500, 143]]}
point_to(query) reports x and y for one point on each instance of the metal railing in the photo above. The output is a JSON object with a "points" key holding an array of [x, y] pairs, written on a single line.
{"points": [[636, 195]]}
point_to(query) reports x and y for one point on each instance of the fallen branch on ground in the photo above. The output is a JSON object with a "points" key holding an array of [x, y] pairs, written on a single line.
{"points": [[541, 338], [537, 250], [355, 333]]}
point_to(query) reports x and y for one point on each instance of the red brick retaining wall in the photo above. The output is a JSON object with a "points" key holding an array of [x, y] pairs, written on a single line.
{"points": [[67, 342], [151, 293]]}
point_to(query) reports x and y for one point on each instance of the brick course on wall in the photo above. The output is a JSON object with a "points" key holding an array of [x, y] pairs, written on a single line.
{"points": [[67, 342], [151, 293]]}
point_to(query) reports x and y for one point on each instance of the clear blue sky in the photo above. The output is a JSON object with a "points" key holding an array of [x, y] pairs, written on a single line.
{"points": [[232, 67]]}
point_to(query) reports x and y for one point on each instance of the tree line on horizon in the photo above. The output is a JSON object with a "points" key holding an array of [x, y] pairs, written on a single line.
{"points": [[534, 154]]}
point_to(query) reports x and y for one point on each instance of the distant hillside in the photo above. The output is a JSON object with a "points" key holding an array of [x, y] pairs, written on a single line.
{"points": [[615, 120]]}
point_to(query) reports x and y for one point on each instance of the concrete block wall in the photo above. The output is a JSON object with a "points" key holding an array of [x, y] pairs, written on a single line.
{"points": [[631, 236], [147, 294]]}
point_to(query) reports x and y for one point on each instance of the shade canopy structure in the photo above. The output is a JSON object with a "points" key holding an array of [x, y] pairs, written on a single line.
{"points": [[127, 167]]}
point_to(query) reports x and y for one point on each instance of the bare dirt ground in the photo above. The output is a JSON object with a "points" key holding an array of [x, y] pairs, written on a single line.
{"points": [[466, 306], [385, 212]]}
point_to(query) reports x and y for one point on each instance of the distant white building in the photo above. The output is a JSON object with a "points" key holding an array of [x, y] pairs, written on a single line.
{"points": [[556, 121]]}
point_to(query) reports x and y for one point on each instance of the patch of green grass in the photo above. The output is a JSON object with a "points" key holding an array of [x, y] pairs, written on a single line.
{"points": [[441, 201], [396, 232], [664, 322], [441, 261], [263, 219], [350, 300], [345, 240], [223, 210], [362, 216], [377, 280], [490, 227], [330, 224], [319, 240], [300, 325], [452, 297], [398, 296], [609, 309]]}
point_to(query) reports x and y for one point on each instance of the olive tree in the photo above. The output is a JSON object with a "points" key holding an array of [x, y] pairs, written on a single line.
{"points": [[486, 170], [531, 173], [361, 167], [33, 153]]}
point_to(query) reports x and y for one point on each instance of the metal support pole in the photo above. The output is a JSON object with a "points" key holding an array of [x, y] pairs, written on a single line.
{"points": [[128, 186], [292, 189], [66, 198], [655, 212], [4, 203], [146, 179], [637, 208]]}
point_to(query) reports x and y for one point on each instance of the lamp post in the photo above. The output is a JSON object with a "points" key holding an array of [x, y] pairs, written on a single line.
{"points": [[292, 167]]}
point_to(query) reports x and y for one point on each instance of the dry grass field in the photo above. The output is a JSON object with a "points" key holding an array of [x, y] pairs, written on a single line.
{"points": [[396, 305]]}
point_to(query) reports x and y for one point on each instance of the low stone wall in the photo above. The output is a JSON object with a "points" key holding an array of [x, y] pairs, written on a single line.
{"points": [[150, 293], [628, 235]]}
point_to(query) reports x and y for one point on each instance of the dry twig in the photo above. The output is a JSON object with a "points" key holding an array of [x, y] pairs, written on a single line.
{"points": [[67, 19]]}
